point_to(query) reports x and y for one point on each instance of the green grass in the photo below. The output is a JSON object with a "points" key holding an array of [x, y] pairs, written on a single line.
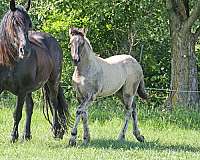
{"points": [[173, 135]]}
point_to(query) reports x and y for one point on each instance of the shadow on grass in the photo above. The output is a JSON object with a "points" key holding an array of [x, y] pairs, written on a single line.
{"points": [[126, 145]]}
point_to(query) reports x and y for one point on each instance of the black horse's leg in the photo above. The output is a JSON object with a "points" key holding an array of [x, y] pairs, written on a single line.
{"points": [[29, 111], [17, 115], [57, 129]]}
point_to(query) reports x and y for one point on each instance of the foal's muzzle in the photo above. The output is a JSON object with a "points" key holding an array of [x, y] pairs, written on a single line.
{"points": [[76, 61]]}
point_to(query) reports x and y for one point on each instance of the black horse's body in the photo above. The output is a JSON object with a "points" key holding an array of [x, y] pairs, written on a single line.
{"points": [[28, 61], [31, 73]]}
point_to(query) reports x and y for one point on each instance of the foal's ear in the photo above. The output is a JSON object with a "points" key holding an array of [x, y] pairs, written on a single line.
{"points": [[84, 31], [12, 5], [27, 6], [70, 31]]}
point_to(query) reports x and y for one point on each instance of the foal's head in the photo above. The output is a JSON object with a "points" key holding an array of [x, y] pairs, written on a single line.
{"points": [[77, 42], [14, 31]]}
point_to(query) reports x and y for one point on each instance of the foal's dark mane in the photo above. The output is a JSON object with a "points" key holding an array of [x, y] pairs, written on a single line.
{"points": [[76, 32], [8, 52]]}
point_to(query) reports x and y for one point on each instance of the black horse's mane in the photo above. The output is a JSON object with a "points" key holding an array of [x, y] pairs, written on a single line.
{"points": [[8, 52]]}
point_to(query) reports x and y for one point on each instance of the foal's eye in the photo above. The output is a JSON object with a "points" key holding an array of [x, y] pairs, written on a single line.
{"points": [[30, 25], [82, 44]]}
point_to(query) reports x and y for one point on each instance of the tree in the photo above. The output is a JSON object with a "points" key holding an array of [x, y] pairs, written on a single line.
{"points": [[115, 27], [184, 35]]}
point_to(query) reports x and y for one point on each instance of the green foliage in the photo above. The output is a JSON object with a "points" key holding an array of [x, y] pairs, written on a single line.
{"points": [[3, 8], [115, 27]]}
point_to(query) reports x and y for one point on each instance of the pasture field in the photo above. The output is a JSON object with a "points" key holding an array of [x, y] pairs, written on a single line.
{"points": [[168, 136]]}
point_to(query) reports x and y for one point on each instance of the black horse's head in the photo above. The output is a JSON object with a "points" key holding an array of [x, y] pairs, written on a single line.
{"points": [[14, 29], [20, 25]]}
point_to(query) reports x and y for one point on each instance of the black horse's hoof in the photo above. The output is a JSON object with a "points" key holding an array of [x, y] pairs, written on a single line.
{"points": [[13, 139], [58, 132], [58, 135], [27, 137]]}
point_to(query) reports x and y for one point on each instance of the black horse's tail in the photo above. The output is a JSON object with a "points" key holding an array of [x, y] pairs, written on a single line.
{"points": [[64, 116]]}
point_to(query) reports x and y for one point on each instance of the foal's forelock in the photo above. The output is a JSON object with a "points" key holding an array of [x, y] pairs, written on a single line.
{"points": [[79, 43], [84, 38]]}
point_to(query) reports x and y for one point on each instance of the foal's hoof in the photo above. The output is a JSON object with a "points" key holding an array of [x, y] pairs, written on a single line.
{"points": [[140, 138], [121, 138], [86, 141], [72, 142]]}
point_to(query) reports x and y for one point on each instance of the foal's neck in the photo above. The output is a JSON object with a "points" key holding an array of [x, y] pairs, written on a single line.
{"points": [[88, 61]]}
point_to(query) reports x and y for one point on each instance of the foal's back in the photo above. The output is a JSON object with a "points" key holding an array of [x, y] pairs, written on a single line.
{"points": [[121, 64], [118, 70]]}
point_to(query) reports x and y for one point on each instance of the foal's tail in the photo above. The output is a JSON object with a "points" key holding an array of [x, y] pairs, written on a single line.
{"points": [[141, 90], [64, 116]]}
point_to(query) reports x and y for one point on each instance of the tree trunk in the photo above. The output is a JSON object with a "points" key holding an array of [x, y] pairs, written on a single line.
{"points": [[183, 71], [184, 77]]}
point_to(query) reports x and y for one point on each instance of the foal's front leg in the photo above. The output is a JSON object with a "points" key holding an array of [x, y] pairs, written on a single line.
{"points": [[17, 115], [81, 110], [86, 133]]}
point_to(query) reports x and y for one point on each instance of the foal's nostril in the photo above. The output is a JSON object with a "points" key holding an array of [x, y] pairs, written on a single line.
{"points": [[21, 50], [76, 61]]}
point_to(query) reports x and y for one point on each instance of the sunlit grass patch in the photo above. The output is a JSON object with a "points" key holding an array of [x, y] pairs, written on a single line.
{"points": [[168, 136]]}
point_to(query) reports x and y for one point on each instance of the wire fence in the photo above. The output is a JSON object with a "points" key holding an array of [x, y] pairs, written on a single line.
{"points": [[171, 90]]}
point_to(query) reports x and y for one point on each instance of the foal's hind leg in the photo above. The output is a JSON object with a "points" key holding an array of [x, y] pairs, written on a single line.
{"points": [[127, 102], [17, 115], [136, 130], [129, 90], [29, 111]]}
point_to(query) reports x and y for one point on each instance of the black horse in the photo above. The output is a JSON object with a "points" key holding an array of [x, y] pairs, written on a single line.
{"points": [[28, 61]]}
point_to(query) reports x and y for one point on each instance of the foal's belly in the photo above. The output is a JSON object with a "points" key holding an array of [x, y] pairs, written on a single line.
{"points": [[113, 80]]}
